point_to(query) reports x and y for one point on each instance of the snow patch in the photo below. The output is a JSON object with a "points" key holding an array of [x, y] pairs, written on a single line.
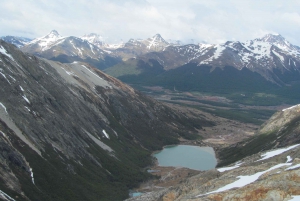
{"points": [[279, 56], [237, 164], [295, 198], [21, 88], [5, 196], [3, 107], [98, 142], [5, 77], [31, 174], [3, 51], [26, 99], [293, 167], [289, 159], [79, 51], [290, 107], [270, 154], [27, 108], [245, 180], [105, 133], [12, 78], [68, 72], [91, 71], [92, 49], [3, 134]]}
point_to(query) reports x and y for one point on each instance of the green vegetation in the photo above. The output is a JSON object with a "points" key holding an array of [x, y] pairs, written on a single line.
{"points": [[240, 86], [253, 116], [124, 68], [207, 102]]}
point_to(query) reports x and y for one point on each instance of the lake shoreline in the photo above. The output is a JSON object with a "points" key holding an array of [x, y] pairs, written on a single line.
{"points": [[188, 156]]}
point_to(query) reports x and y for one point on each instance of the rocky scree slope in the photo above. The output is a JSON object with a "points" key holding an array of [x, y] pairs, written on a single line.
{"points": [[266, 167], [71, 132]]}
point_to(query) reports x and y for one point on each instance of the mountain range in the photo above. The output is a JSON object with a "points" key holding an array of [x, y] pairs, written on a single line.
{"points": [[68, 131], [269, 56]]}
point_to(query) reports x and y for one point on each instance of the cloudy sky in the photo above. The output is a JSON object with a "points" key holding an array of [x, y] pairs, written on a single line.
{"points": [[210, 21]]}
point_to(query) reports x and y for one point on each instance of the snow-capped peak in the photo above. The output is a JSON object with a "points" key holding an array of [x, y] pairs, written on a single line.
{"points": [[93, 37], [204, 45], [272, 38], [53, 33], [158, 38], [155, 41], [45, 42], [278, 41]]}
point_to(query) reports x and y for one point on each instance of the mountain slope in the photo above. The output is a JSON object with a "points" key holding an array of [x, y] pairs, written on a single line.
{"points": [[71, 132]]}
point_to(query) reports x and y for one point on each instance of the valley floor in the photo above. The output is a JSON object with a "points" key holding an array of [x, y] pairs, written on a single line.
{"points": [[225, 132]]}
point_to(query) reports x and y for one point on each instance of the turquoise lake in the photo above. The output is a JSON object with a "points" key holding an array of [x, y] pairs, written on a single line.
{"points": [[193, 157]]}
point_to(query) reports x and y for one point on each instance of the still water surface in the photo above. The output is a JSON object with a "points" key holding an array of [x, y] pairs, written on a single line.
{"points": [[193, 157]]}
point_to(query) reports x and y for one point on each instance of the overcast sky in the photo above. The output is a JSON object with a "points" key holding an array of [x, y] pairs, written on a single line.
{"points": [[210, 21]]}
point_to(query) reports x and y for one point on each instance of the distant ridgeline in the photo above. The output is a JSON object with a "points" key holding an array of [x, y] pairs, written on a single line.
{"points": [[265, 70]]}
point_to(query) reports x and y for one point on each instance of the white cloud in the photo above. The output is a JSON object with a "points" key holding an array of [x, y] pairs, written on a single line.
{"points": [[212, 21]]}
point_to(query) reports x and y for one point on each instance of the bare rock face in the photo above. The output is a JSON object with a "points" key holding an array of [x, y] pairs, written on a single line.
{"points": [[71, 131]]}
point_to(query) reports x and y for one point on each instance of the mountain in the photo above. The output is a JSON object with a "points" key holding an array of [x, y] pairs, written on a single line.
{"points": [[71, 132], [264, 167], [69, 49], [136, 47], [94, 39], [268, 65], [263, 55], [15, 40]]}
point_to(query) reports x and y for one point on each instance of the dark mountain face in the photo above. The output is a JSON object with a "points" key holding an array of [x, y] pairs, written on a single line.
{"points": [[71, 132]]}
